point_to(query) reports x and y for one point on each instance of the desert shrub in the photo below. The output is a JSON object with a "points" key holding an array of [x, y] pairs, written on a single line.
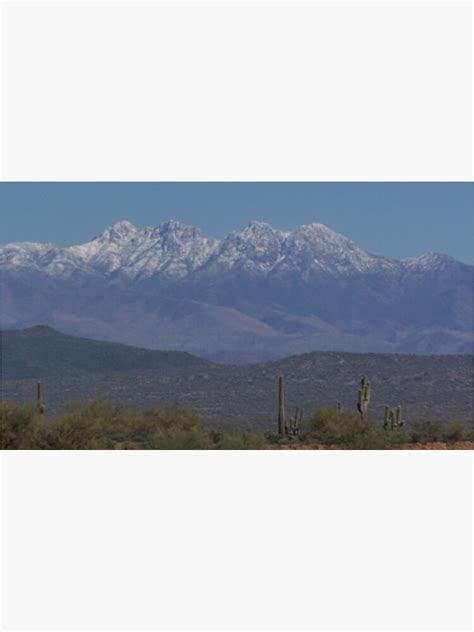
{"points": [[345, 429], [398, 437], [21, 428], [100, 425], [425, 431], [456, 431], [95, 425], [272, 438], [176, 429]]}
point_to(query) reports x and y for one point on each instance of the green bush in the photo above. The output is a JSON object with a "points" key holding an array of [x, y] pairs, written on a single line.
{"points": [[21, 428], [345, 429], [99, 425], [94, 426], [102, 426], [425, 431], [456, 431], [273, 438], [175, 429]]}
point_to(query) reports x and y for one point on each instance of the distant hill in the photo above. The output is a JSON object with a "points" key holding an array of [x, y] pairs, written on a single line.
{"points": [[41, 351], [431, 387]]}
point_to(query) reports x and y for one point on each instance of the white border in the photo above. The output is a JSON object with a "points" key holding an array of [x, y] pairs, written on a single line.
{"points": [[414, 176], [237, 91]]}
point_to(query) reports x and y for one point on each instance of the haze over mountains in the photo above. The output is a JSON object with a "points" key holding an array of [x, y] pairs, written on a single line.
{"points": [[255, 295]]}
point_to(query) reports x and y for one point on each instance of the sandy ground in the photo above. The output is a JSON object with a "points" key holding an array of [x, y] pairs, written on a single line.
{"points": [[460, 445]]}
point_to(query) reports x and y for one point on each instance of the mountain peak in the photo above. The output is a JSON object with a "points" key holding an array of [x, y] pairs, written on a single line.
{"points": [[315, 248], [124, 225], [320, 230], [260, 230], [255, 248], [172, 227], [429, 260], [171, 224], [256, 225], [120, 230]]}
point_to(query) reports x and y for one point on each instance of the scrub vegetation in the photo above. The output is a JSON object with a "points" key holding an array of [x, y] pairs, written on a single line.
{"points": [[100, 425]]}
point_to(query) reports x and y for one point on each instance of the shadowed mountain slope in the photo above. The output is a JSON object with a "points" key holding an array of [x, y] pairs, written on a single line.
{"points": [[41, 351]]}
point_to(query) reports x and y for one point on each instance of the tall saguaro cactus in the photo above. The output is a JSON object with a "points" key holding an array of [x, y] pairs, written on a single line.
{"points": [[40, 398], [364, 398], [281, 407]]}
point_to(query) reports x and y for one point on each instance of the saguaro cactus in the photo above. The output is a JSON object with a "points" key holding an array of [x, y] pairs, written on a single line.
{"points": [[398, 416], [364, 398], [393, 418], [40, 398], [295, 422], [281, 407]]}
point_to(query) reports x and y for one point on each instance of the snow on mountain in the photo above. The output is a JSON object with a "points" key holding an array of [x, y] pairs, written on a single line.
{"points": [[113, 241], [174, 251], [40, 258], [428, 261], [26, 254], [316, 248], [172, 248], [255, 249]]}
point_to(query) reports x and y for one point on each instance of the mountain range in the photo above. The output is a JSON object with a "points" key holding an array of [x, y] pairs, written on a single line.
{"points": [[255, 295]]}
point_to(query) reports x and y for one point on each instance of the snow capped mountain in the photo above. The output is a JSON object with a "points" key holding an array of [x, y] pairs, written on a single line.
{"points": [[429, 261], [23, 254], [314, 248], [171, 248], [256, 250], [175, 251], [258, 293], [40, 258]]}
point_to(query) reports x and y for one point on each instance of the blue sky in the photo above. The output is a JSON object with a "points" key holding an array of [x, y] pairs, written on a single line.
{"points": [[394, 219]]}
